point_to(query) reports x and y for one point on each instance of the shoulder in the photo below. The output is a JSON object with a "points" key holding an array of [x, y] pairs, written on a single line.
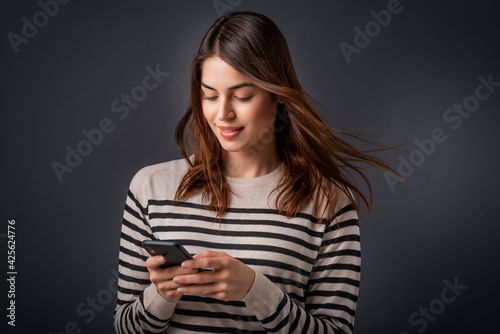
{"points": [[338, 202], [165, 175]]}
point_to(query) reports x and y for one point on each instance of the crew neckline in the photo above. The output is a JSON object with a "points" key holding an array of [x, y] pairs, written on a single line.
{"points": [[253, 181]]}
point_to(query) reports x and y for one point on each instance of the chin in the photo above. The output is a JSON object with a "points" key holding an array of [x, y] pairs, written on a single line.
{"points": [[231, 148]]}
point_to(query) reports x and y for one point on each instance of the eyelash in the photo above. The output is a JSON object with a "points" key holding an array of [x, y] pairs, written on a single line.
{"points": [[240, 99]]}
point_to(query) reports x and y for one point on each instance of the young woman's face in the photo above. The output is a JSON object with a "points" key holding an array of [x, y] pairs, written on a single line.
{"points": [[231, 102]]}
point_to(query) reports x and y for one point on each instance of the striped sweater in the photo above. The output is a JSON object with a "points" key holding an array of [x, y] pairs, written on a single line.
{"points": [[307, 274]]}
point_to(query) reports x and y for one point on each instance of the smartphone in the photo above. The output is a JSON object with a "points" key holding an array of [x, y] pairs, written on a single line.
{"points": [[174, 252]]}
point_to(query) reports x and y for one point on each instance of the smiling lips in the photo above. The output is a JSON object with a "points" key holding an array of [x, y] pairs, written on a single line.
{"points": [[228, 132]]}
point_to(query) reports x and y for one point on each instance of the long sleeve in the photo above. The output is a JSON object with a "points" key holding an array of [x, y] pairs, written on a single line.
{"points": [[139, 309], [332, 289]]}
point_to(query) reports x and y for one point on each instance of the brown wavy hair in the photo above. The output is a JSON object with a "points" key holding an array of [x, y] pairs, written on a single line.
{"points": [[317, 163]]}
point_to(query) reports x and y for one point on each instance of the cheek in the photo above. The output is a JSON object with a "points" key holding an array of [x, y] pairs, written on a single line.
{"points": [[208, 112], [264, 116]]}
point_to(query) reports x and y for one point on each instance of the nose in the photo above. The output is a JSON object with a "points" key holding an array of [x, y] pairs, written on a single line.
{"points": [[225, 110]]}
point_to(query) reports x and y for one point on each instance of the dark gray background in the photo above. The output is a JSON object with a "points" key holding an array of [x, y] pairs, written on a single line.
{"points": [[440, 224]]}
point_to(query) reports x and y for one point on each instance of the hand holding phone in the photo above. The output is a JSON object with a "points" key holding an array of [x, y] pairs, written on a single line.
{"points": [[162, 275]]}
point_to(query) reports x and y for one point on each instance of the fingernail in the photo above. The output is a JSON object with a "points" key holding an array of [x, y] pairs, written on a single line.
{"points": [[196, 256], [194, 271], [180, 290], [184, 265], [176, 279], [161, 259]]}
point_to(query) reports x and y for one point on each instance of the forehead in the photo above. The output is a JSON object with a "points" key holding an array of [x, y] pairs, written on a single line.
{"points": [[218, 74]]}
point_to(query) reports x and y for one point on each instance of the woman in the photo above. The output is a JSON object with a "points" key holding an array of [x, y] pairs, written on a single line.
{"points": [[262, 199]]}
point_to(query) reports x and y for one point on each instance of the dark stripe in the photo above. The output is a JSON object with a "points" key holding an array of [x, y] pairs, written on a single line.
{"points": [[329, 293], [316, 324], [141, 299], [344, 238], [308, 320], [144, 211], [129, 291], [347, 208], [119, 322], [335, 280], [133, 279], [328, 323], [344, 322], [331, 306], [208, 329], [286, 281], [276, 264], [122, 302], [341, 225], [123, 321], [142, 318], [129, 316], [325, 326], [135, 214], [155, 318], [208, 300], [133, 266], [299, 299], [217, 315], [129, 252], [295, 323], [130, 239], [178, 204], [344, 252], [285, 319], [280, 307], [338, 266], [136, 228]]}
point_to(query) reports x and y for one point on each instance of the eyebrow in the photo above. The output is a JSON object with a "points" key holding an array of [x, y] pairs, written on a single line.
{"points": [[240, 85]]}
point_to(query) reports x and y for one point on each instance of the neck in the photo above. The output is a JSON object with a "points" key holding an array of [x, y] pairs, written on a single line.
{"points": [[240, 165]]}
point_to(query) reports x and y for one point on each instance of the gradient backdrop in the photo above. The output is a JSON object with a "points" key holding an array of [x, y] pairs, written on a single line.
{"points": [[395, 81]]}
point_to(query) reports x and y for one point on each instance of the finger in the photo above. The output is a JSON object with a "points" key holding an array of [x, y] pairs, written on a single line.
{"points": [[209, 253], [154, 262], [173, 294], [166, 274], [214, 263], [203, 289], [167, 285], [202, 277], [178, 270]]}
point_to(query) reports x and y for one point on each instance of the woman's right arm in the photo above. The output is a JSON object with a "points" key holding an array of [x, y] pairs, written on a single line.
{"points": [[140, 308]]}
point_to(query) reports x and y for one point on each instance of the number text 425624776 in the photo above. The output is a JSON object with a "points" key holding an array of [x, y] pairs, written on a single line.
{"points": [[11, 272]]}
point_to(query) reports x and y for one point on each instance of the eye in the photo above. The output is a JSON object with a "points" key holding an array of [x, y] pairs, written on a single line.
{"points": [[210, 98], [243, 99]]}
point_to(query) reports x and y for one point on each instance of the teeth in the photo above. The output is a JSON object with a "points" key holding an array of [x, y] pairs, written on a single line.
{"points": [[230, 130]]}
